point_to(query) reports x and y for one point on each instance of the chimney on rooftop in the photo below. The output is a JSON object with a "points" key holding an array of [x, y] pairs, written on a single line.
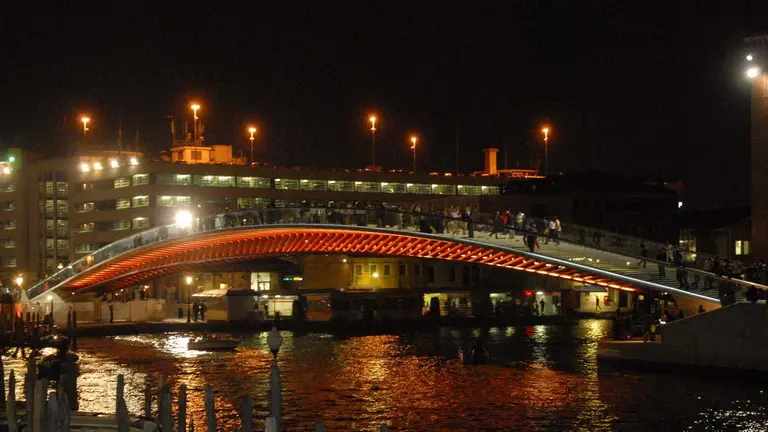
{"points": [[490, 160]]}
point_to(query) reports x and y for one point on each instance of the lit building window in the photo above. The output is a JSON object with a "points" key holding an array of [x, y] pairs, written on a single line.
{"points": [[120, 225], [287, 184], [393, 187], [247, 203], [741, 247], [140, 201], [8, 187], [253, 182], [140, 179], [361, 186], [122, 182], [688, 240], [123, 203], [314, 185], [86, 207], [214, 181], [8, 262], [174, 179], [341, 186], [87, 247], [417, 188], [86, 227], [172, 201], [140, 223]]}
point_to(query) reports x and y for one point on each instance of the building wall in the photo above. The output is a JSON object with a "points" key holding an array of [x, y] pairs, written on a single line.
{"points": [[759, 160]]}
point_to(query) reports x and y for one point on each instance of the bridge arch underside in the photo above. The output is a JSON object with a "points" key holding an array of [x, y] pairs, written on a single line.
{"points": [[242, 244]]}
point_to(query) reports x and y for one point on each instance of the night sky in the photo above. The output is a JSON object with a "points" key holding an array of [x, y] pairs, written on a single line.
{"points": [[651, 91]]}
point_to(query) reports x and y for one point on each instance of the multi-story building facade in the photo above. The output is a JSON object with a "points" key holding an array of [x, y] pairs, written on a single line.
{"points": [[57, 210]]}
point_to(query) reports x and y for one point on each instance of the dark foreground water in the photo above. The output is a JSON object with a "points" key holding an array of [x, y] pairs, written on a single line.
{"points": [[542, 378]]}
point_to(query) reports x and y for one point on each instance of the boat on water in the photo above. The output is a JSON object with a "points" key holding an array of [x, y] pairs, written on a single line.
{"points": [[213, 343]]}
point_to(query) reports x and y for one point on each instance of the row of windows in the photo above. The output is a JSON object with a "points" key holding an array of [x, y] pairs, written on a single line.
{"points": [[46, 187], [306, 184], [134, 180], [62, 207], [137, 223], [61, 244]]}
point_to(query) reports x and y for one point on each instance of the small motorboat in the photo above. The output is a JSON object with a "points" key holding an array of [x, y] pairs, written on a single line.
{"points": [[213, 343], [474, 355]]}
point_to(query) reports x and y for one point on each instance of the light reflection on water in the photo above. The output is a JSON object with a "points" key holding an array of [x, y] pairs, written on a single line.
{"points": [[540, 378]]}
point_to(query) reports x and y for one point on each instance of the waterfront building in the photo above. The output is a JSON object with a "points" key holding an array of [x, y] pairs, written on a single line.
{"points": [[757, 72], [56, 210]]}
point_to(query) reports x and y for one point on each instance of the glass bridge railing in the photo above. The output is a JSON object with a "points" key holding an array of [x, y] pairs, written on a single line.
{"points": [[614, 256]]}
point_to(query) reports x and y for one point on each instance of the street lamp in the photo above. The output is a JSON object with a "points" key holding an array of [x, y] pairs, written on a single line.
{"points": [[252, 130], [753, 72], [545, 131], [372, 119], [195, 107], [189, 280], [183, 219], [50, 298], [85, 120], [413, 147]]}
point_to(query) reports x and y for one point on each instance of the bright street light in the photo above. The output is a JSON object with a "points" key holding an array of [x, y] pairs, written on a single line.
{"points": [[19, 280], [189, 280], [84, 167], [413, 147], [753, 72], [98, 166], [749, 57], [6, 170], [372, 119], [113, 163], [85, 120], [545, 131], [195, 107], [184, 219], [134, 161], [252, 130]]}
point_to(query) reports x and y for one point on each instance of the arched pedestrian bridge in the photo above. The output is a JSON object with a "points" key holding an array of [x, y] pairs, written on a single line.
{"points": [[271, 232]]}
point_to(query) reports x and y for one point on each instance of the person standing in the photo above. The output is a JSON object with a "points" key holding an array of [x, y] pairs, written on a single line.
{"points": [[597, 303], [644, 254], [543, 305], [661, 257]]}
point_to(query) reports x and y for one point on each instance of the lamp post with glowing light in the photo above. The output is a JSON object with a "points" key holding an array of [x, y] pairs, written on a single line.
{"points": [[252, 130], [413, 147], [50, 298], [195, 107], [189, 280], [372, 119], [85, 120], [545, 131]]}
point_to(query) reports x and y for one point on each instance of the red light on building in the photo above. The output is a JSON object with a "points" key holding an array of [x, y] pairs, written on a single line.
{"points": [[528, 293]]}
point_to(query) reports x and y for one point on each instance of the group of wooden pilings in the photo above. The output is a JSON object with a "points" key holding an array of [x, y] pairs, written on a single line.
{"points": [[51, 410], [164, 419], [44, 411]]}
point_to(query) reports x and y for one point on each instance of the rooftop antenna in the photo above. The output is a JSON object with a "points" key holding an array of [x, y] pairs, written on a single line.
{"points": [[136, 140], [120, 134], [173, 130]]}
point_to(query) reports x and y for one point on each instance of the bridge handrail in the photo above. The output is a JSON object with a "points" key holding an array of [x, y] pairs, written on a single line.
{"points": [[481, 223]]}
